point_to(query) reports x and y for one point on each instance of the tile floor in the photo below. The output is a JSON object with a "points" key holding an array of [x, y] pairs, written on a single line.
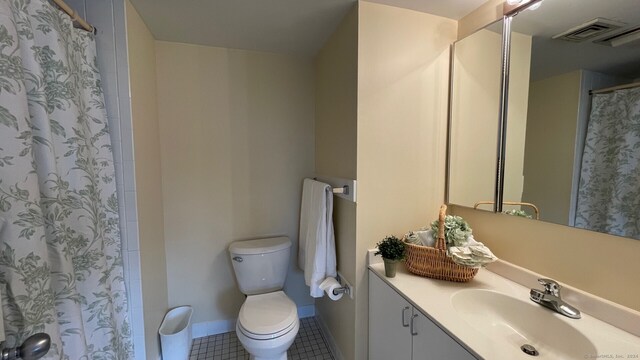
{"points": [[308, 345]]}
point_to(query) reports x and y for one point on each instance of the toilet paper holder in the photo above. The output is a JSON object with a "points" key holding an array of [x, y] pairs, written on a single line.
{"points": [[346, 287], [342, 290]]}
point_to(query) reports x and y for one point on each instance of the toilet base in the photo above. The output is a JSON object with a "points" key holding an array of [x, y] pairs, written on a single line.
{"points": [[283, 357], [273, 349]]}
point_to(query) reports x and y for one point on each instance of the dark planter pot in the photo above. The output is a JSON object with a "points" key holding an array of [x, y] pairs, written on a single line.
{"points": [[390, 267]]}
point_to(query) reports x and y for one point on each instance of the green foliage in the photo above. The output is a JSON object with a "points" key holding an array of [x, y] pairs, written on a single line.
{"points": [[520, 213], [57, 190], [456, 230], [391, 248]]}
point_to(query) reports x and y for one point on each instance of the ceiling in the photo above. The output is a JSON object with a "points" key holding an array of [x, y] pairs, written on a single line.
{"points": [[296, 27], [551, 57]]}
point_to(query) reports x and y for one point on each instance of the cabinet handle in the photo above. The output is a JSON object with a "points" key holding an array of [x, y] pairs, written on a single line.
{"points": [[413, 332], [404, 324]]}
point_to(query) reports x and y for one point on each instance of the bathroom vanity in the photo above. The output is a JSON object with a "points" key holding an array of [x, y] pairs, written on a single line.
{"points": [[400, 330], [490, 317]]}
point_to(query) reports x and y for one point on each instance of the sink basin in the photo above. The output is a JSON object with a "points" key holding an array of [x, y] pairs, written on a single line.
{"points": [[519, 322]]}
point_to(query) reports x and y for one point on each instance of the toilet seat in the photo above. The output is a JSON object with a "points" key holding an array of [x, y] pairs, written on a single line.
{"points": [[275, 335], [267, 316]]}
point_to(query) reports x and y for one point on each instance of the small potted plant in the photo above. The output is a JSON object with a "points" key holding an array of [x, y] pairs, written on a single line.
{"points": [[392, 250]]}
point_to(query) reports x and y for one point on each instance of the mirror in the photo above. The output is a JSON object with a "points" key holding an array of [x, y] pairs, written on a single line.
{"points": [[573, 120], [475, 103]]}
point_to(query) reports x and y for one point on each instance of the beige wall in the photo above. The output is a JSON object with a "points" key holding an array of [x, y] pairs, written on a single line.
{"points": [[475, 109], [551, 134], [488, 12], [604, 265], [401, 60], [519, 70], [403, 76], [474, 125], [146, 139], [336, 71], [237, 138]]}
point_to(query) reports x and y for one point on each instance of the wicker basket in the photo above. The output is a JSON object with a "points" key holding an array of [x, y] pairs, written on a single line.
{"points": [[433, 262]]}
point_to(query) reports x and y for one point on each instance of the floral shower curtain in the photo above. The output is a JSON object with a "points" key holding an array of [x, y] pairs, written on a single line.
{"points": [[609, 190], [60, 262]]}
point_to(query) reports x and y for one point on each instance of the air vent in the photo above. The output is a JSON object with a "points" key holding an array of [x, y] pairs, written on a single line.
{"points": [[622, 38], [589, 30]]}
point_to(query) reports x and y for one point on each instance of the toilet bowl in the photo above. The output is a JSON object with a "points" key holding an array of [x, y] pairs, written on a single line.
{"points": [[267, 325], [268, 320]]}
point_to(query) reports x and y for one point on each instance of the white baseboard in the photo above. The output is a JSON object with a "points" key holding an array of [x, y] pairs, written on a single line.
{"points": [[208, 328], [306, 311], [331, 342]]}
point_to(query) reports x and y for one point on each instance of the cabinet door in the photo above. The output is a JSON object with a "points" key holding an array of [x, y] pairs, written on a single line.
{"points": [[389, 337], [431, 343]]}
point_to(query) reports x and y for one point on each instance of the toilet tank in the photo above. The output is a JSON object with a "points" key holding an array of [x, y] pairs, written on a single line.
{"points": [[260, 265]]}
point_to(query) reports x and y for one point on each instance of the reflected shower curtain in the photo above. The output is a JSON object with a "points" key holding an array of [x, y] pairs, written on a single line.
{"points": [[609, 190], [60, 261]]}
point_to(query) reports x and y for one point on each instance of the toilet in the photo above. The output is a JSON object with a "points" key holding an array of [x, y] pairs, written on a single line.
{"points": [[268, 320]]}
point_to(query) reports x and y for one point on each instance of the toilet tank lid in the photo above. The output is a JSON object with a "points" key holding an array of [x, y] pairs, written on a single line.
{"points": [[259, 246]]}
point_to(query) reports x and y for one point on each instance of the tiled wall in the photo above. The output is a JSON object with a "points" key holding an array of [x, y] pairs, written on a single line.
{"points": [[108, 16], [148, 177]]}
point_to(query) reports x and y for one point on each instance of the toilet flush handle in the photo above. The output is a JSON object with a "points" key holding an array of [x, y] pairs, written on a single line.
{"points": [[237, 258]]}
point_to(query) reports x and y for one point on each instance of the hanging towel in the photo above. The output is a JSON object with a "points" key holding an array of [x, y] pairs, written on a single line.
{"points": [[316, 248]]}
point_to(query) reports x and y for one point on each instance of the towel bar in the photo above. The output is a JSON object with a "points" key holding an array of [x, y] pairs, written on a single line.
{"points": [[341, 190]]}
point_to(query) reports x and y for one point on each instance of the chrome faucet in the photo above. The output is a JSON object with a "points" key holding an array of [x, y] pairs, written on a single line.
{"points": [[550, 298]]}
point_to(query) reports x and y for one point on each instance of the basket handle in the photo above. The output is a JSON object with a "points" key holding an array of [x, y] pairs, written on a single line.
{"points": [[441, 244]]}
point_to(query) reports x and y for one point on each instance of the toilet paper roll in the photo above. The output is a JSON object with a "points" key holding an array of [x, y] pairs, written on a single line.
{"points": [[328, 284]]}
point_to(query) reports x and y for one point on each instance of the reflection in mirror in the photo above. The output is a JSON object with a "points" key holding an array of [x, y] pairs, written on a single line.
{"points": [[577, 137], [475, 104]]}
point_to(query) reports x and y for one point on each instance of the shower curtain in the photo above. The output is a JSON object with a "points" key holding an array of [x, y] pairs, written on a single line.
{"points": [[609, 189], [61, 267]]}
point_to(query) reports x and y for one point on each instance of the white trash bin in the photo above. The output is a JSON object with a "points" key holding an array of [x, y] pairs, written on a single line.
{"points": [[175, 333]]}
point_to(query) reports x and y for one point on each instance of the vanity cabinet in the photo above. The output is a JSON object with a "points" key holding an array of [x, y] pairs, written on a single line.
{"points": [[399, 331]]}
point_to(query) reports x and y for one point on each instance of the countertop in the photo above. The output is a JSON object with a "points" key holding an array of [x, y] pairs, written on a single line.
{"points": [[433, 298]]}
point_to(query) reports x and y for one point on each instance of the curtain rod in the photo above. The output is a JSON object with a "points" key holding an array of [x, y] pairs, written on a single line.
{"points": [[74, 16], [613, 88]]}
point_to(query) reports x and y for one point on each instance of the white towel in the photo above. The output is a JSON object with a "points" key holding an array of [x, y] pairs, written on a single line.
{"points": [[316, 248], [472, 254], [421, 237], [427, 238]]}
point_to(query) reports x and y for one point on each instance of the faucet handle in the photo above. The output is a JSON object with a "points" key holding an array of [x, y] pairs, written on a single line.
{"points": [[550, 286]]}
